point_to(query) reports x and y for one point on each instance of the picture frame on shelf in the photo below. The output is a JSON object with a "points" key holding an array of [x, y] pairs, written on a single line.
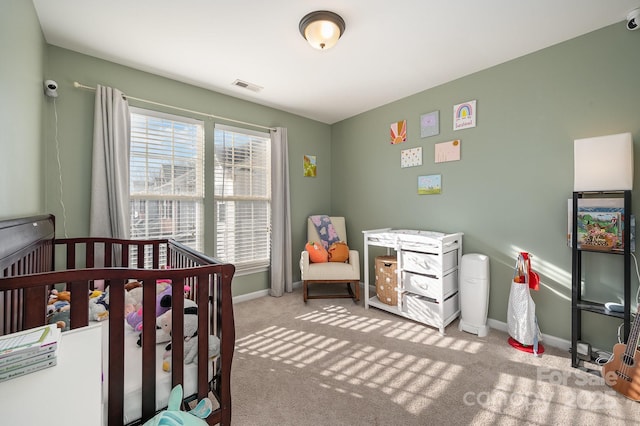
{"points": [[600, 224]]}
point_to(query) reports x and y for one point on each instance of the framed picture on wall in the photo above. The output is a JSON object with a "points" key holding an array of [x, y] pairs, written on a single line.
{"points": [[411, 157], [398, 132], [430, 124], [309, 165], [429, 185], [464, 115]]}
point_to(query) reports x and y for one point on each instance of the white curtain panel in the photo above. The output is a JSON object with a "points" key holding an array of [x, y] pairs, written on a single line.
{"points": [[281, 260], [110, 178]]}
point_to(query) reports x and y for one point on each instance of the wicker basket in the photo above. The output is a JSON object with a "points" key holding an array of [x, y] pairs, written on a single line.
{"points": [[387, 279]]}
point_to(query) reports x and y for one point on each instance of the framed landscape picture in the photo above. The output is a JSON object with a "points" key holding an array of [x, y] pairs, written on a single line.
{"points": [[600, 224], [429, 185]]}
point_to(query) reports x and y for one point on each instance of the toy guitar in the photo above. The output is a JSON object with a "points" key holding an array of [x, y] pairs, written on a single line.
{"points": [[622, 371]]}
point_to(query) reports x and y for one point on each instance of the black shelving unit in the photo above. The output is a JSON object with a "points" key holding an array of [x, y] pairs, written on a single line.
{"points": [[578, 305]]}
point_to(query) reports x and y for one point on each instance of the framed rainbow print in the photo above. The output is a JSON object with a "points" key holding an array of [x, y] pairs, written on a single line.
{"points": [[464, 115]]}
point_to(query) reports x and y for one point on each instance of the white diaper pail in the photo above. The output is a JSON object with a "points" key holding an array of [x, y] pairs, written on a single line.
{"points": [[474, 294]]}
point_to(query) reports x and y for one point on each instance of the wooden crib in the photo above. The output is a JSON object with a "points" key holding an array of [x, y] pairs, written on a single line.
{"points": [[33, 261]]}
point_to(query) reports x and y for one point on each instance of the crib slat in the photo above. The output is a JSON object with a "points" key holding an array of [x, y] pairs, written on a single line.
{"points": [[34, 306], [202, 298], [90, 255], [116, 353], [79, 311], [148, 350], [177, 332]]}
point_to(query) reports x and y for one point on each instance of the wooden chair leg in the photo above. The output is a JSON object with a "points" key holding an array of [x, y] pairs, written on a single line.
{"points": [[356, 284], [304, 291]]}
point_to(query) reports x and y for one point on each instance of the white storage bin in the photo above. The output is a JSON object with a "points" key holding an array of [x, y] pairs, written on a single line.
{"points": [[474, 294], [430, 287], [428, 263], [422, 309]]}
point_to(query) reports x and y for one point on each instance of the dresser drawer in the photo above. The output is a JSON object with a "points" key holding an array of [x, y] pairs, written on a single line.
{"points": [[431, 287], [424, 310], [427, 263]]}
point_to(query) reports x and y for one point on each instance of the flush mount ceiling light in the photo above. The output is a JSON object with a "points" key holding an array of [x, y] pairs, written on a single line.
{"points": [[322, 29]]}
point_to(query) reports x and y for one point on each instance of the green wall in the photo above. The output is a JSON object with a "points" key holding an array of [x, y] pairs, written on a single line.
{"points": [[509, 191], [22, 53]]}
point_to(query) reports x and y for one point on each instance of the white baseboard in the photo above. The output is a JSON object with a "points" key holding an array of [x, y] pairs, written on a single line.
{"points": [[258, 294], [547, 339], [250, 296]]}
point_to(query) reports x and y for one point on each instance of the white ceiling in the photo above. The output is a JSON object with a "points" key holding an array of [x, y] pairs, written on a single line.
{"points": [[390, 49]]}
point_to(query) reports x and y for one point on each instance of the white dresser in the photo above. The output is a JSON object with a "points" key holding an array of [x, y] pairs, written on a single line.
{"points": [[427, 268]]}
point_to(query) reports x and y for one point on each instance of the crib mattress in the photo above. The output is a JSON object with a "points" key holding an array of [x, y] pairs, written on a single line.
{"points": [[133, 376]]}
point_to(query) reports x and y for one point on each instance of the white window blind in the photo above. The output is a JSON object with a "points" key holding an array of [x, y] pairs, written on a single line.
{"points": [[242, 197], [166, 177]]}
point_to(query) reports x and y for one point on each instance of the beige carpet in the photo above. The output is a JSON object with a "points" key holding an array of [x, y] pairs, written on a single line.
{"points": [[331, 362]]}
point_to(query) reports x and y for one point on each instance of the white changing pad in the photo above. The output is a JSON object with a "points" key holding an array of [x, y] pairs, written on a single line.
{"points": [[133, 376], [408, 237]]}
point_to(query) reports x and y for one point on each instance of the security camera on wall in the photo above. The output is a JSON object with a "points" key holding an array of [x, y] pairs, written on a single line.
{"points": [[633, 19], [51, 88]]}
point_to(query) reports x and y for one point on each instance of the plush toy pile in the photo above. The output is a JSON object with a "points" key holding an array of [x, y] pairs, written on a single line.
{"points": [[59, 307]]}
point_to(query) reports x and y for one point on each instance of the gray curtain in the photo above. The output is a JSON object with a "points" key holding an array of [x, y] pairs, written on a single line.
{"points": [[110, 178], [281, 261]]}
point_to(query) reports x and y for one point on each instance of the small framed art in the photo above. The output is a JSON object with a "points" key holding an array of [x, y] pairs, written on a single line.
{"points": [[411, 157], [398, 132], [430, 124], [429, 185], [447, 151], [464, 115], [309, 165]]}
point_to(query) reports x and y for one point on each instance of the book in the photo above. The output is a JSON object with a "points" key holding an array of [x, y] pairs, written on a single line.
{"points": [[27, 343], [22, 363], [28, 369]]}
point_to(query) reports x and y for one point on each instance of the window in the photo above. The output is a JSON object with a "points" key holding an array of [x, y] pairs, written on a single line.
{"points": [[166, 177], [242, 197]]}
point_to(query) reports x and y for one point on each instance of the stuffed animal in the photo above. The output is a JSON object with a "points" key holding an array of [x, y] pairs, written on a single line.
{"points": [[163, 322], [131, 303], [190, 340], [173, 416], [61, 317], [133, 297], [338, 252], [58, 300], [163, 303], [98, 305], [317, 253]]}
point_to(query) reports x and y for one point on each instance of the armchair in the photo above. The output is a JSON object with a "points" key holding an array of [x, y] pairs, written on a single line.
{"points": [[330, 272]]}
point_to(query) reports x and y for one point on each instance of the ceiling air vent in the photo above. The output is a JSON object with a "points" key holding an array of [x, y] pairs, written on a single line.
{"points": [[247, 85]]}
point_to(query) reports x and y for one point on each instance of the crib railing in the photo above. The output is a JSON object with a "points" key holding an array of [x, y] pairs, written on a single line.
{"points": [[32, 262]]}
